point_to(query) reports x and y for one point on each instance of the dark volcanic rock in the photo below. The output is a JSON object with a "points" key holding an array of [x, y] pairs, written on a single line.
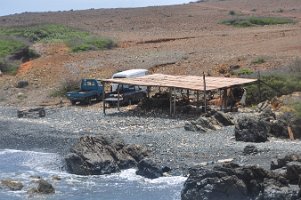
{"points": [[281, 162], [209, 121], [278, 129], [293, 172], [231, 181], [215, 185], [267, 115], [149, 169], [272, 192], [22, 84], [296, 127], [44, 187], [251, 130], [250, 149], [223, 118], [100, 155]]}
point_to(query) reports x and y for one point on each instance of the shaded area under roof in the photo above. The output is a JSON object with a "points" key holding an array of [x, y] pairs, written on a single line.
{"points": [[182, 82]]}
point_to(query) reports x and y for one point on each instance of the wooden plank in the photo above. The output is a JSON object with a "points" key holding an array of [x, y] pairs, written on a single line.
{"points": [[290, 133]]}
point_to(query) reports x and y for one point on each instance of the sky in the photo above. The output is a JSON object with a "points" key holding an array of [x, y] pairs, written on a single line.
{"points": [[8, 7]]}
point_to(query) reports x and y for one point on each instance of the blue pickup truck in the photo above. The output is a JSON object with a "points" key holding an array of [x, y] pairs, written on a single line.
{"points": [[90, 90]]}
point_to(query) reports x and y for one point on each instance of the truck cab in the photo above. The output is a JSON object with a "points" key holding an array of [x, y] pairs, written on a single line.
{"points": [[90, 89]]}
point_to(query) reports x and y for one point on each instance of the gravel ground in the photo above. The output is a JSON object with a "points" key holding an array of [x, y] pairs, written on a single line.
{"points": [[166, 137]]}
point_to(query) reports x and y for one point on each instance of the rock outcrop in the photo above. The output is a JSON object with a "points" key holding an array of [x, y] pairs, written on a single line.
{"points": [[103, 155], [231, 181], [249, 129], [43, 187], [149, 169], [210, 121]]}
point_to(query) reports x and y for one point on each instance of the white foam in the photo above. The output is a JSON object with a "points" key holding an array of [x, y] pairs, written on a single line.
{"points": [[37, 161]]}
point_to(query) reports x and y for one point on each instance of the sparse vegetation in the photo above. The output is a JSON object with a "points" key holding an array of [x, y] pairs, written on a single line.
{"points": [[258, 60], [66, 86], [274, 85], [243, 71], [297, 109], [232, 12], [90, 43], [259, 21], [15, 42]]}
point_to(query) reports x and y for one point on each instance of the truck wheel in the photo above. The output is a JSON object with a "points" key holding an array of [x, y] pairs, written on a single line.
{"points": [[98, 98], [88, 101], [73, 102], [42, 113]]}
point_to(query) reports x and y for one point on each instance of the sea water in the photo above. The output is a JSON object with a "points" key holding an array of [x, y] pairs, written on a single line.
{"points": [[25, 166]]}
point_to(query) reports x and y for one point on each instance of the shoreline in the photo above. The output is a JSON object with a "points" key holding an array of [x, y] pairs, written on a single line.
{"points": [[169, 143]]}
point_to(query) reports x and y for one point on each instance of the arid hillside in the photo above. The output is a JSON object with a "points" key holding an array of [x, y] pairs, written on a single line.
{"points": [[182, 39]]}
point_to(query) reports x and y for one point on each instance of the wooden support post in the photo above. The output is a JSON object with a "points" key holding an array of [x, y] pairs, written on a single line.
{"points": [[290, 133], [174, 103], [205, 97], [148, 91], [259, 86], [221, 100], [197, 100], [103, 98], [118, 99], [170, 101]]}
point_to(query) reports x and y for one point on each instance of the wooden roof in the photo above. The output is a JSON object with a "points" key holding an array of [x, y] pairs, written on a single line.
{"points": [[182, 82]]}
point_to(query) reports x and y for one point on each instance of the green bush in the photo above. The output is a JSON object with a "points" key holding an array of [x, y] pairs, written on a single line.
{"points": [[273, 85], [297, 108], [77, 40], [259, 60], [9, 45], [8, 67], [260, 21], [90, 43], [66, 86], [15, 42], [232, 12], [45, 32], [243, 71]]}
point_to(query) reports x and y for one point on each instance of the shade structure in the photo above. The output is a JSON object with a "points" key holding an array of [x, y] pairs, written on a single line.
{"points": [[182, 82]]}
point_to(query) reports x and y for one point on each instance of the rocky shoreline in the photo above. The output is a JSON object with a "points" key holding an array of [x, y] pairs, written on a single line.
{"points": [[166, 138]]}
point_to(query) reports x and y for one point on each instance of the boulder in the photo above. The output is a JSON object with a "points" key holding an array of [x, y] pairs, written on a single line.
{"points": [[230, 181], [263, 106], [22, 84], [251, 130], [267, 115], [12, 185], [293, 172], [281, 162], [223, 118], [44, 187], [138, 152], [250, 149], [148, 168], [272, 192], [278, 128], [296, 127], [103, 155]]}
